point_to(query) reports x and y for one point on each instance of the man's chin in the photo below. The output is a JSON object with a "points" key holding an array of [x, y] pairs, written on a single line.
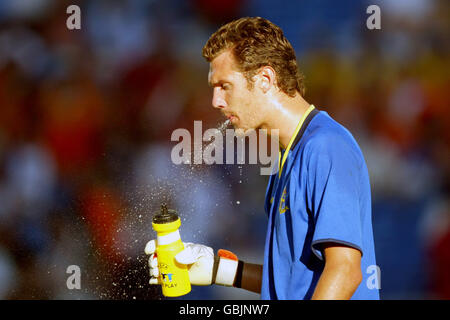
{"points": [[240, 129], [241, 132], [235, 123]]}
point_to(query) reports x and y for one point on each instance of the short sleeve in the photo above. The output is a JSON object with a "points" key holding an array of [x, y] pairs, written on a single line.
{"points": [[333, 189]]}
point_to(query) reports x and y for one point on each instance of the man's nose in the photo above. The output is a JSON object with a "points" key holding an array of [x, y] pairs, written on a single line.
{"points": [[218, 101]]}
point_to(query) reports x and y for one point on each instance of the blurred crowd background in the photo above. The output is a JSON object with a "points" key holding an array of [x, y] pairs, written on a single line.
{"points": [[86, 118]]}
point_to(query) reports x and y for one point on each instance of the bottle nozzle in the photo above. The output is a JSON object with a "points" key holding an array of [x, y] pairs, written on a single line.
{"points": [[164, 209], [165, 215]]}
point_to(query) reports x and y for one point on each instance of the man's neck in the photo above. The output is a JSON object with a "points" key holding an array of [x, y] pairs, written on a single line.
{"points": [[286, 116]]}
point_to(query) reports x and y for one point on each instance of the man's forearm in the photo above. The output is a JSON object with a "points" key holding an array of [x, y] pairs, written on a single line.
{"points": [[248, 277], [336, 284]]}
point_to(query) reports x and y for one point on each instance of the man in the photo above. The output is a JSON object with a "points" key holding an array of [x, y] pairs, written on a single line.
{"points": [[319, 240]]}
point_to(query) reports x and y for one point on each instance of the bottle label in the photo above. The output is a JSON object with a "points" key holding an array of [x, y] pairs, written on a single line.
{"points": [[168, 238], [174, 276]]}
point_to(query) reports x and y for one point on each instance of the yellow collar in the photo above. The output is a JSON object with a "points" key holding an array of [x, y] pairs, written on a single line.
{"points": [[286, 152]]}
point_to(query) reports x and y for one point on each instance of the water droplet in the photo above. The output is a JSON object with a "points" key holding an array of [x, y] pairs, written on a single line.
{"points": [[238, 202]]}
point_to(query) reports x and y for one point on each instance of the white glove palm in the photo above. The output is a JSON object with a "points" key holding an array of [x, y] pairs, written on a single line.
{"points": [[198, 258]]}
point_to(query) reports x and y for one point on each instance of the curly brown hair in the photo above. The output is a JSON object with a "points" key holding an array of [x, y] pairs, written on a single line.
{"points": [[256, 42]]}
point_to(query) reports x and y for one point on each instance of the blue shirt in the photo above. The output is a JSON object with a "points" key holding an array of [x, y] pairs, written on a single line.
{"points": [[321, 194]]}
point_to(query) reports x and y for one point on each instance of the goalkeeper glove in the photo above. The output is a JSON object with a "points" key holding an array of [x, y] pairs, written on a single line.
{"points": [[204, 267]]}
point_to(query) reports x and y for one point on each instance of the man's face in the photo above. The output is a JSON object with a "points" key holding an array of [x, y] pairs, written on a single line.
{"points": [[231, 94]]}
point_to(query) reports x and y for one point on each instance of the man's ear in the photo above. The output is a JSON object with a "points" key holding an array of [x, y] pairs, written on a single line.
{"points": [[266, 78]]}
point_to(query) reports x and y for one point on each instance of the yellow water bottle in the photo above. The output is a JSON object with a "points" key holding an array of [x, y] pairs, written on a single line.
{"points": [[174, 276]]}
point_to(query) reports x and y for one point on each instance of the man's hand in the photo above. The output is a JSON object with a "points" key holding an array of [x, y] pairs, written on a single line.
{"points": [[198, 258]]}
